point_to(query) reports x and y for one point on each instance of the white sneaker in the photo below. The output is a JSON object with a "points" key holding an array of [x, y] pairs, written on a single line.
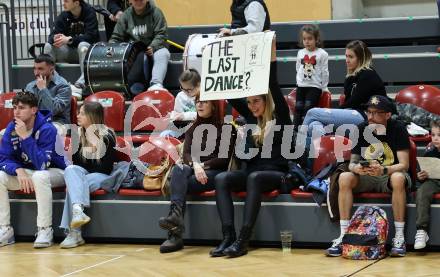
{"points": [[76, 92], [6, 235], [421, 239], [79, 219], [73, 239], [156, 87], [44, 237]]}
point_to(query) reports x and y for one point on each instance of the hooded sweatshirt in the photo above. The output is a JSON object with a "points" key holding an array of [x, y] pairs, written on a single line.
{"points": [[83, 28], [36, 152], [150, 27]]}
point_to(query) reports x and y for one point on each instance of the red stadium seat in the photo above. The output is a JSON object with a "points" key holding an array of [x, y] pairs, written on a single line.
{"points": [[156, 148], [123, 150], [210, 193], [73, 110], [98, 192], [324, 102], [114, 106], [6, 109], [341, 99], [271, 194], [424, 96], [139, 192], [154, 107], [327, 154]]}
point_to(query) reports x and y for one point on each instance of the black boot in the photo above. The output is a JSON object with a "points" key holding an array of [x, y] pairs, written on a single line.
{"points": [[173, 243], [228, 238], [174, 221], [240, 246]]}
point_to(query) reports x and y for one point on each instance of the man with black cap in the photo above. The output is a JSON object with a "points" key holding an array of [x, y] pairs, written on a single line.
{"points": [[379, 163]]}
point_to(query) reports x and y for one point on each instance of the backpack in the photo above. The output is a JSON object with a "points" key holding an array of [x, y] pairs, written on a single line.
{"points": [[366, 235]]}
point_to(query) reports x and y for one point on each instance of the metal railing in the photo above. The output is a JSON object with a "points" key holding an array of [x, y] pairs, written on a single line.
{"points": [[5, 50], [32, 21]]}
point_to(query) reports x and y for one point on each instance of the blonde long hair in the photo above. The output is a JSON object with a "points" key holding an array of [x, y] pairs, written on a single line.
{"points": [[95, 113], [363, 55], [264, 121]]}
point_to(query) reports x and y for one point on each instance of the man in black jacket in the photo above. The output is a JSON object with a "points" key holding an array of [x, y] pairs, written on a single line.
{"points": [[76, 28], [116, 8]]}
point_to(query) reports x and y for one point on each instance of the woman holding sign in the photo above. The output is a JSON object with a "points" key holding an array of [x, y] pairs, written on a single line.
{"points": [[248, 16], [263, 173]]}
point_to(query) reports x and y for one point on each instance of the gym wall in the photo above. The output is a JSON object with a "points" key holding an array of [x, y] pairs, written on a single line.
{"points": [[208, 12]]}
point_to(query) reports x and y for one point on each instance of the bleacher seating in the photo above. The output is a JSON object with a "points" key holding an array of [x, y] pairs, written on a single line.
{"points": [[401, 47], [325, 100], [6, 109], [73, 110], [423, 96], [114, 108], [149, 112]]}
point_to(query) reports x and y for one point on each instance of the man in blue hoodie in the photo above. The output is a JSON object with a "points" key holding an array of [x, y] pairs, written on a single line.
{"points": [[29, 162]]}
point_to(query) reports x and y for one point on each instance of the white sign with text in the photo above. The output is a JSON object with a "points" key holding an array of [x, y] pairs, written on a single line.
{"points": [[236, 66]]}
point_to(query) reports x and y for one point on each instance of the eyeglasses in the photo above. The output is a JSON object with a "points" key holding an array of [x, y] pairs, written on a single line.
{"points": [[201, 102], [187, 90], [374, 113]]}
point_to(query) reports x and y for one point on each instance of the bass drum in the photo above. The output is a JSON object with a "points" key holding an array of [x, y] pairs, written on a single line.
{"points": [[192, 55], [106, 65]]}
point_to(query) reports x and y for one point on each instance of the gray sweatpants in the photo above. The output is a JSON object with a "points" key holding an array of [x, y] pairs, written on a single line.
{"points": [[160, 65], [69, 55]]}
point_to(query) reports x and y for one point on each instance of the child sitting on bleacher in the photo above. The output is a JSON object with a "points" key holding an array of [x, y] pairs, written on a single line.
{"points": [[184, 105], [428, 188], [311, 72], [92, 163]]}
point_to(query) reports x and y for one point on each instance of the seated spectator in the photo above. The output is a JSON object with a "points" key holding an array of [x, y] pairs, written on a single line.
{"points": [[311, 72], [145, 22], [92, 163], [76, 28], [387, 151], [29, 162], [361, 83], [116, 8], [264, 172], [184, 104], [193, 176], [425, 192], [52, 91]]}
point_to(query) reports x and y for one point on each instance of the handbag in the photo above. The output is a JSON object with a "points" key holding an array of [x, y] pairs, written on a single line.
{"points": [[155, 174], [157, 177]]}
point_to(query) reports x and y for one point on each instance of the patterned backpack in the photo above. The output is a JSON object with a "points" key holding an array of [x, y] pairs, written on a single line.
{"points": [[366, 235]]}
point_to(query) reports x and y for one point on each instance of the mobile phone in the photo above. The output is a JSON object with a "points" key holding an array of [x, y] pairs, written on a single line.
{"points": [[364, 163]]}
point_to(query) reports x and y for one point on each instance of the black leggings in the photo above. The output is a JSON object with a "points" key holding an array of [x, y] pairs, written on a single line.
{"points": [[306, 98], [255, 183]]}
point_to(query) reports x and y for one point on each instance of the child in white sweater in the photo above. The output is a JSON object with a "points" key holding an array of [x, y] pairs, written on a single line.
{"points": [[312, 73], [184, 105]]}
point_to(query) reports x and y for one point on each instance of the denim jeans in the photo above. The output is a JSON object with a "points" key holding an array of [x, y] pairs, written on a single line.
{"points": [[80, 183], [317, 118]]}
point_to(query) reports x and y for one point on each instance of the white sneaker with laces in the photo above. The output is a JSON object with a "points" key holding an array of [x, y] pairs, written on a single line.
{"points": [[79, 219], [44, 237], [6, 235], [421, 239], [73, 239]]}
